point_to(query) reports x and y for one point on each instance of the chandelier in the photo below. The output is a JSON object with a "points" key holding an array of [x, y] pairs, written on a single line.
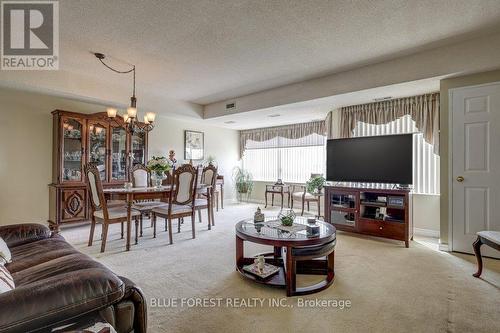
{"points": [[130, 119]]}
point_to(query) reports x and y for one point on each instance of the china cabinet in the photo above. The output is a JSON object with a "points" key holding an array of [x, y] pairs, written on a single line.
{"points": [[88, 138]]}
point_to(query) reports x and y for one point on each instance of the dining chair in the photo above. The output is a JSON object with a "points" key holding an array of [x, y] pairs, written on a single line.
{"points": [[299, 192], [100, 210], [141, 177], [181, 200], [208, 178]]}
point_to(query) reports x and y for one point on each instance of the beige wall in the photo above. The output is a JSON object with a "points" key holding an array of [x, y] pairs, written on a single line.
{"points": [[446, 85], [26, 150]]}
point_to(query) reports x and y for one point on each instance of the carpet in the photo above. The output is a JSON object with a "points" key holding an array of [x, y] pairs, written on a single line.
{"points": [[192, 285]]}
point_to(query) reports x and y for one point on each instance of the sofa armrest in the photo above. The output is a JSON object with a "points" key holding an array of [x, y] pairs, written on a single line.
{"points": [[18, 234], [134, 294], [50, 301]]}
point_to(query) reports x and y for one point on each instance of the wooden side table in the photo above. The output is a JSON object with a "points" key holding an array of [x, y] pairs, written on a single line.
{"points": [[280, 190]]}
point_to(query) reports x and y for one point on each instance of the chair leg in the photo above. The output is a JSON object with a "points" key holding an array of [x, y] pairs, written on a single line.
{"points": [[291, 205], [170, 230], [136, 220], [104, 236], [199, 215], [209, 218], [153, 222], [166, 225], [92, 228], [179, 225], [308, 206], [140, 222], [303, 203], [217, 201], [193, 219], [272, 200], [122, 230], [477, 250], [212, 215]]}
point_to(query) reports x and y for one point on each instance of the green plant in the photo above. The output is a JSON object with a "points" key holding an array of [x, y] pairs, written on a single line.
{"points": [[242, 180], [287, 218], [315, 184]]}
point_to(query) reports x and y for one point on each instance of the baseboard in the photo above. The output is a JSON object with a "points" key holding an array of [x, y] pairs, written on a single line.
{"points": [[426, 232], [444, 247]]}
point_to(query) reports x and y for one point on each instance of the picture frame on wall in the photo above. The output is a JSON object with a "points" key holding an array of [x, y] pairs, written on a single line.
{"points": [[194, 145]]}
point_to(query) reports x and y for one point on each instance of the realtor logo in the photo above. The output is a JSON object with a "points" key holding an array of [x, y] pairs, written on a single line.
{"points": [[30, 35]]}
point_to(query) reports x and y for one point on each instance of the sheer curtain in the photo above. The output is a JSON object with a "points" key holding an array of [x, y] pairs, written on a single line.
{"points": [[292, 160]]}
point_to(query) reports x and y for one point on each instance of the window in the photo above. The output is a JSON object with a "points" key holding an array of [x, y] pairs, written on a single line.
{"points": [[292, 160], [425, 162]]}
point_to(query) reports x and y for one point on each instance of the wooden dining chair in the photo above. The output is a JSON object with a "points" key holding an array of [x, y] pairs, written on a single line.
{"points": [[141, 177], [208, 178], [100, 210], [181, 200]]}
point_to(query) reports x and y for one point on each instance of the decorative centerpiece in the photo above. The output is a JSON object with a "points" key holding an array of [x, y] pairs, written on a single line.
{"points": [[158, 166], [260, 268], [258, 217], [287, 218]]}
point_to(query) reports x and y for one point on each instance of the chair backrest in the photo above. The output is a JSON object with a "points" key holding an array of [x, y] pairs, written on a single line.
{"points": [[209, 175], [184, 182], [93, 177], [141, 176], [168, 180]]}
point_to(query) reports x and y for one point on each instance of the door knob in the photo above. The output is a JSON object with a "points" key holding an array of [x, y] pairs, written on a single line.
{"points": [[460, 179]]}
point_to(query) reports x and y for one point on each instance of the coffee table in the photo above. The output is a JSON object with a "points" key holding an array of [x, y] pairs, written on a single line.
{"points": [[294, 253]]}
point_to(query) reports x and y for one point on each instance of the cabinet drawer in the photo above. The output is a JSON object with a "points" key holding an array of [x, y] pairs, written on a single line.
{"points": [[392, 230]]}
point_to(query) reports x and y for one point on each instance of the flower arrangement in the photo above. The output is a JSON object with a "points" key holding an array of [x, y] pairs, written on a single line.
{"points": [[158, 164]]}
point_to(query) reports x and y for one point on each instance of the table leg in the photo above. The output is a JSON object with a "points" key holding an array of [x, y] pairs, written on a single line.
{"points": [[291, 281], [272, 199], [222, 196], [239, 250], [129, 215]]}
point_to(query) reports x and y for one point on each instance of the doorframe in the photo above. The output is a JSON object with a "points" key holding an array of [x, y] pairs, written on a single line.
{"points": [[450, 155]]}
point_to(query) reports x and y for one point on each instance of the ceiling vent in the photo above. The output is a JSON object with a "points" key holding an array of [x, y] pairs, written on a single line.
{"points": [[382, 99], [230, 122], [230, 106], [274, 115]]}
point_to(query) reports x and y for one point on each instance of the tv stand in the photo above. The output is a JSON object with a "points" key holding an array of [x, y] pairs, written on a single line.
{"points": [[377, 212]]}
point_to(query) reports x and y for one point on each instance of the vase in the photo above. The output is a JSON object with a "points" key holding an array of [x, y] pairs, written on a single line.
{"points": [[157, 178]]}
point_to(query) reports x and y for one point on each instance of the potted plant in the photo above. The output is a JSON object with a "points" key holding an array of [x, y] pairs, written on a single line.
{"points": [[315, 184], [158, 166], [242, 181]]}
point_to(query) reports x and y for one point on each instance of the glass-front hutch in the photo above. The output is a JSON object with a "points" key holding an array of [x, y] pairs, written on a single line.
{"points": [[88, 138]]}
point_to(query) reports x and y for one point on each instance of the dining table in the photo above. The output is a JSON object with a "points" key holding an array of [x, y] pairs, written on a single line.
{"points": [[132, 194]]}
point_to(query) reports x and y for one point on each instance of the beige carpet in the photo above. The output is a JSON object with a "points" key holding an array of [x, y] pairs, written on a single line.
{"points": [[391, 288]]}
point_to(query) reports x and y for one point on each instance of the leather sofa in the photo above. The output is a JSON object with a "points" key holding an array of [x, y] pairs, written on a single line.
{"points": [[57, 285]]}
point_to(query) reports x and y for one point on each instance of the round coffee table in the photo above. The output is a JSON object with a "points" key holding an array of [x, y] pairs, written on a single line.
{"points": [[294, 253]]}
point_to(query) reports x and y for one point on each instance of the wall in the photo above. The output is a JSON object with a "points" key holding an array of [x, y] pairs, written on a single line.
{"points": [[446, 85], [26, 150], [221, 143]]}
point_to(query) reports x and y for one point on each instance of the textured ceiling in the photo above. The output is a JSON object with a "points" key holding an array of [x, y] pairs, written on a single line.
{"points": [[203, 51]]}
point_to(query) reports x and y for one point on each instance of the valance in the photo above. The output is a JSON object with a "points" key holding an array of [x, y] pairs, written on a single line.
{"points": [[423, 109], [295, 131]]}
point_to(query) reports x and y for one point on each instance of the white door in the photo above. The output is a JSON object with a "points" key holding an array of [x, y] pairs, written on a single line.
{"points": [[475, 177]]}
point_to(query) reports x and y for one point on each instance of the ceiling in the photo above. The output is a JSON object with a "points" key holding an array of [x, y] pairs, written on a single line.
{"points": [[195, 52], [318, 108]]}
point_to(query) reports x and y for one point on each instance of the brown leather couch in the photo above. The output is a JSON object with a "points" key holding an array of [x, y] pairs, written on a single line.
{"points": [[58, 285]]}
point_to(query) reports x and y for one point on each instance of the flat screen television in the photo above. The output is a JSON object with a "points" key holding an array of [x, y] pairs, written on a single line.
{"points": [[373, 159]]}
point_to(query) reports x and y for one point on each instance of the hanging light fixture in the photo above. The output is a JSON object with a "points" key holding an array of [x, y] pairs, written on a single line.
{"points": [[130, 118]]}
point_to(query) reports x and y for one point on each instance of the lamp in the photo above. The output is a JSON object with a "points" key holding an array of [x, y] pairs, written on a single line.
{"points": [[130, 122]]}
